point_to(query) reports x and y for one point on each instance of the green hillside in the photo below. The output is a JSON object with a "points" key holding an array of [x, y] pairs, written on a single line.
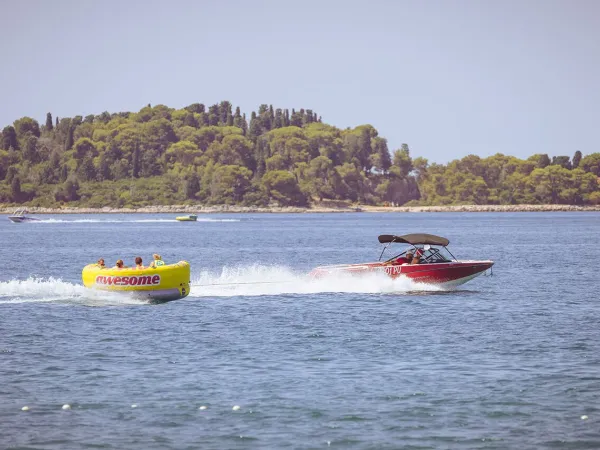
{"points": [[216, 155]]}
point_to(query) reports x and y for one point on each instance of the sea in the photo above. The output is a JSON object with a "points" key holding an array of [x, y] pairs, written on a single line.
{"points": [[260, 355]]}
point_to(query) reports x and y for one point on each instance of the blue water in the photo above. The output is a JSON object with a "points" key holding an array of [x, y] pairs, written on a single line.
{"points": [[509, 361]]}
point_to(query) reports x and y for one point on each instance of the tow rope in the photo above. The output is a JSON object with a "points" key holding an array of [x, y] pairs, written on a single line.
{"points": [[234, 284]]}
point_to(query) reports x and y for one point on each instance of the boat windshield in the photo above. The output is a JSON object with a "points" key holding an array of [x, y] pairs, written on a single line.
{"points": [[429, 254], [436, 255]]}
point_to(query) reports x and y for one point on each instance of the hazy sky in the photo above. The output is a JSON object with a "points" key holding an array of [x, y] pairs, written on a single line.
{"points": [[448, 77]]}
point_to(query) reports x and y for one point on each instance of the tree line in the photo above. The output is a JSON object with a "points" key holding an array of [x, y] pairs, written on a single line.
{"points": [[215, 155]]}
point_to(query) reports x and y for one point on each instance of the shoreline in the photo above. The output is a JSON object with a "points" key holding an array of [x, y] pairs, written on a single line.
{"points": [[198, 209]]}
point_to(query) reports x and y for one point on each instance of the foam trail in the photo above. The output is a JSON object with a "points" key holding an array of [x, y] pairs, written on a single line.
{"points": [[53, 290], [273, 280], [43, 221]]}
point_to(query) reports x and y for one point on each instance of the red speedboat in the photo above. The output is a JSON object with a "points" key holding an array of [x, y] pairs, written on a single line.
{"points": [[426, 260]]}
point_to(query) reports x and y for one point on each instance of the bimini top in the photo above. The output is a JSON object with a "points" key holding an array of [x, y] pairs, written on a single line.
{"points": [[414, 239]]}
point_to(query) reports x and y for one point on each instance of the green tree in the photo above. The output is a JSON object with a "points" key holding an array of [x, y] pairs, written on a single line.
{"points": [[183, 152], [30, 152], [541, 160], [283, 187], [591, 163], [15, 189], [84, 147], [136, 162], [577, 159], [69, 191], [26, 125], [319, 173], [403, 161], [49, 123], [69, 137], [87, 171], [229, 184], [9, 138], [192, 186], [197, 108], [562, 161]]}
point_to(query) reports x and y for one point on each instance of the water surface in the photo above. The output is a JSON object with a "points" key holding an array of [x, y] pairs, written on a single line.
{"points": [[509, 361]]}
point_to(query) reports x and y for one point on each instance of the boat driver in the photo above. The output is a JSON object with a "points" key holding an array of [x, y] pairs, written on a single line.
{"points": [[407, 259]]}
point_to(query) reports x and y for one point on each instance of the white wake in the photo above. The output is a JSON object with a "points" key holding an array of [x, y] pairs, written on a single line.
{"points": [[54, 290], [44, 221], [256, 280], [273, 280]]}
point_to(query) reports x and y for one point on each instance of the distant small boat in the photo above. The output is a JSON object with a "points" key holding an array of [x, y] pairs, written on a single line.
{"points": [[20, 216], [188, 218]]}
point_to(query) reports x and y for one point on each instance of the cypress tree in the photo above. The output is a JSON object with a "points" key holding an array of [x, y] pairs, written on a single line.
{"points": [[69, 139], [278, 120], [286, 118], [309, 116], [244, 125], [136, 161], [49, 124], [577, 159], [255, 129]]}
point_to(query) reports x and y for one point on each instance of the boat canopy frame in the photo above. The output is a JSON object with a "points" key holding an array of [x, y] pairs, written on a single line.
{"points": [[426, 240]]}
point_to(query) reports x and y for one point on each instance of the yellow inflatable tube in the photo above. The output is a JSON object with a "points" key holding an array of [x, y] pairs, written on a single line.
{"points": [[163, 283]]}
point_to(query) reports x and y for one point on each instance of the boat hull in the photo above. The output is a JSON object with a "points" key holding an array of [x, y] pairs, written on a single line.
{"points": [[446, 275], [191, 218], [20, 219], [160, 284]]}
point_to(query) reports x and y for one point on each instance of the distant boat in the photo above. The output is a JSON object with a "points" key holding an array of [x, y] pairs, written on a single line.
{"points": [[20, 216], [188, 218]]}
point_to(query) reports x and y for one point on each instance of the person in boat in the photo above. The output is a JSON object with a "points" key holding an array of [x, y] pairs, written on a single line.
{"points": [[138, 263], [407, 259], [119, 264], [417, 258], [157, 261], [101, 264]]}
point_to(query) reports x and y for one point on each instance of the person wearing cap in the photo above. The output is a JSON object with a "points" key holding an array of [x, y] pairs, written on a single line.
{"points": [[417, 258]]}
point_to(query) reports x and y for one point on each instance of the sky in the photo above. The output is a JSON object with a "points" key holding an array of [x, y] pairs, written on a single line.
{"points": [[448, 77]]}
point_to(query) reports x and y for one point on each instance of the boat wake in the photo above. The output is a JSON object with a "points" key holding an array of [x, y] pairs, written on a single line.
{"points": [[257, 280], [272, 280], [54, 290], [42, 221]]}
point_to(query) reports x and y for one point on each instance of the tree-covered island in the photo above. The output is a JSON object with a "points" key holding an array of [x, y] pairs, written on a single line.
{"points": [[218, 156]]}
